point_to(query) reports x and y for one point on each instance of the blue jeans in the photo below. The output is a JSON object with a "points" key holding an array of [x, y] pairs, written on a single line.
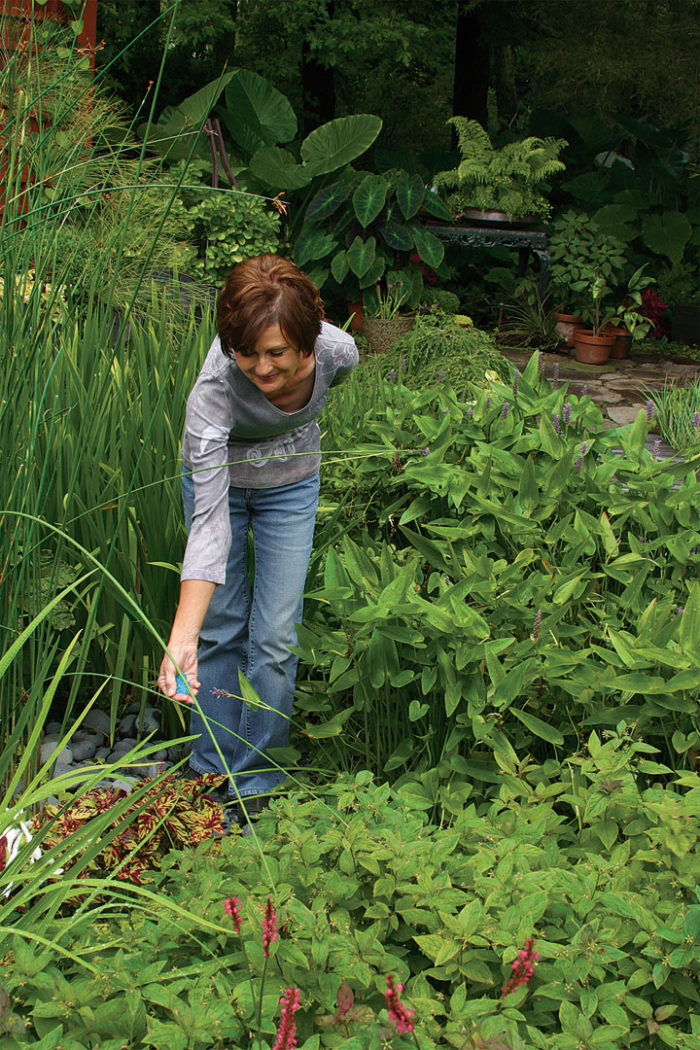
{"points": [[253, 632]]}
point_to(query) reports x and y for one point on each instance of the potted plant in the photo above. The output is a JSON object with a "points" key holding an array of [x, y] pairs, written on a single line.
{"points": [[362, 227], [577, 250], [384, 324], [629, 323], [508, 183]]}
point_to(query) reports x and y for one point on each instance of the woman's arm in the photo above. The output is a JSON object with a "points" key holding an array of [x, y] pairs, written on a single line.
{"points": [[195, 596]]}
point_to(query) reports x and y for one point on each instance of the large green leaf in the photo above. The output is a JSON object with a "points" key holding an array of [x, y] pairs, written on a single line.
{"points": [[396, 235], [428, 247], [435, 206], [311, 245], [409, 194], [340, 266], [374, 273], [277, 168], [172, 135], [256, 113], [667, 234], [339, 142], [361, 255], [369, 198], [324, 203]]}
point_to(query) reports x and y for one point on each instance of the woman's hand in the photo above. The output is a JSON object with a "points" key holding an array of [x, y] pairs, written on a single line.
{"points": [[195, 596], [185, 655]]}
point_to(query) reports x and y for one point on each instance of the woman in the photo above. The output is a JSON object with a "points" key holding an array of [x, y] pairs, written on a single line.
{"points": [[251, 457]]}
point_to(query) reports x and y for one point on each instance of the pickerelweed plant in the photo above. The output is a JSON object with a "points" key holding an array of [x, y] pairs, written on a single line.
{"points": [[465, 523]]}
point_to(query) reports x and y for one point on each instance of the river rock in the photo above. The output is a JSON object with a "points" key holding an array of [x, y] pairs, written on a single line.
{"points": [[127, 725], [48, 750], [96, 719], [83, 749]]}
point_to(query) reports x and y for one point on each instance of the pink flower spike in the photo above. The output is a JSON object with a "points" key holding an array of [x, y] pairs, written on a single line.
{"points": [[286, 1033], [269, 926], [231, 908], [400, 1016], [523, 968]]}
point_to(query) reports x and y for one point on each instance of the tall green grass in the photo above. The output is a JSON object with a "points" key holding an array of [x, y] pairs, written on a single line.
{"points": [[97, 365]]}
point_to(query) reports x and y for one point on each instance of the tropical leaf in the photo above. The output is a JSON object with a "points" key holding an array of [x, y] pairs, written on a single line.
{"points": [[277, 168], [396, 235], [324, 203], [374, 273], [172, 135], [667, 234], [257, 114], [431, 251], [340, 266], [369, 198], [361, 255], [409, 194], [339, 142], [436, 207], [312, 245]]}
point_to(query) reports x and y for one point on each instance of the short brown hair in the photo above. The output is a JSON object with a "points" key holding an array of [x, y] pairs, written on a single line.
{"points": [[265, 290]]}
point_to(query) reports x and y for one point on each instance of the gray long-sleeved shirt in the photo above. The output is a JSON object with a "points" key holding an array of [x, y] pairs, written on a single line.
{"points": [[235, 436]]}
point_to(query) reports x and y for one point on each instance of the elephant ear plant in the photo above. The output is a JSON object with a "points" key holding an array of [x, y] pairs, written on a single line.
{"points": [[363, 227]]}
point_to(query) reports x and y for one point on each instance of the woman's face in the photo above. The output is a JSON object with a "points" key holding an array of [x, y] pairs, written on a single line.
{"points": [[274, 365]]}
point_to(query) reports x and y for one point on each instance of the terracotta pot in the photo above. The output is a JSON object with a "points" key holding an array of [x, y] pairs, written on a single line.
{"points": [[382, 333], [355, 308], [566, 326], [592, 349], [621, 347]]}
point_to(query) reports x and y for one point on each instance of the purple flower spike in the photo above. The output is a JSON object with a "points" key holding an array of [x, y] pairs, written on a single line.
{"points": [[680, 610], [657, 449], [469, 412], [584, 390], [516, 377], [540, 364], [556, 423], [599, 460], [441, 375], [506, 406], [403, 365], [392, 375], [695, 421], [487, 403], [649, 409], [556, 371], [566, 412], [578, 464]]}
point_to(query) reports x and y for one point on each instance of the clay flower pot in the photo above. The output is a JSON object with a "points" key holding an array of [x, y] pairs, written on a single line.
{"points": [[566, 326], [592, 349], [621, 347]]}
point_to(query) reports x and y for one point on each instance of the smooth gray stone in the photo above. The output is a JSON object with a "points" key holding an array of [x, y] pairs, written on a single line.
{"points": [[96, 719], [83, 749], [161, 756], [127, 725], [50, 738], [122, 746], [123, 783], [102, 752], [87, 734], [52, 727], [155, 769], [151, 721], [64, 756]]}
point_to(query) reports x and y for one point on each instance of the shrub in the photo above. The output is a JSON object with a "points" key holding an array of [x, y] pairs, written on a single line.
{"points": [[582, 856]]}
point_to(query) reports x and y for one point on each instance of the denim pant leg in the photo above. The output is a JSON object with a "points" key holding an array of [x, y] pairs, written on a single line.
{"points": [[283, 526], [223, 646]]}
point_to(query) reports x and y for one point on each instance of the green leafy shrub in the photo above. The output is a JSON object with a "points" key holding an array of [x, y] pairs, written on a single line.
{"points": [[505, 580], [438, 349], [582, 856]]}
